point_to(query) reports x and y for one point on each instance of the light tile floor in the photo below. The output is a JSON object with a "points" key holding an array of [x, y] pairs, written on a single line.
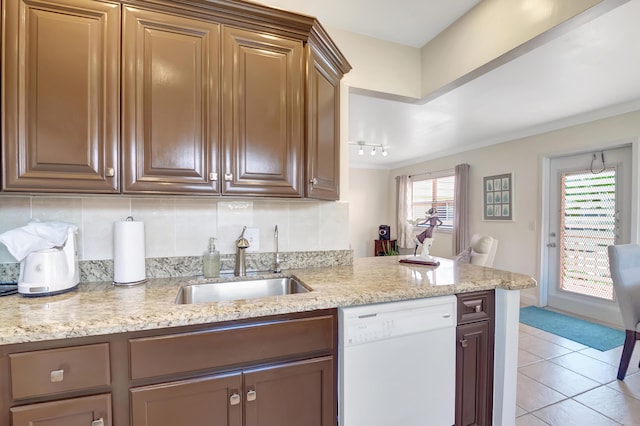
{"points": [[563, 383]]}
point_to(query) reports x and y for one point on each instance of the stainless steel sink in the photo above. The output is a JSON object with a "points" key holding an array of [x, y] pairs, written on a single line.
{"points": [[235, 290]]}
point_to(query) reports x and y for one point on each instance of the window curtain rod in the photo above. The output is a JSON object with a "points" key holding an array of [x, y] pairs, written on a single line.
{"points": [[437, 172]]}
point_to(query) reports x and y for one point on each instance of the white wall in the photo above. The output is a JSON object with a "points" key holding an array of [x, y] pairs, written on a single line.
{"points": [[370, 207], [468, 44], [490, 30], [379, 65], [520, 240]]}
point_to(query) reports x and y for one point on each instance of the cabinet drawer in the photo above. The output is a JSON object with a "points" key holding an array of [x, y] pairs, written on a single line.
{"points": [[210, 349], [475, 306], [69, 412], [59, 370]]}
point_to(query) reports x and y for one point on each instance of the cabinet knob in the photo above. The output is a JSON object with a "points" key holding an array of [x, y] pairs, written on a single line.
{"points": [[213, 176], [110, 172], [478, 308], [463, 343], [314, 181], [251, 395], [228, 177], [99, 422], [234, 399], [57, 376]]}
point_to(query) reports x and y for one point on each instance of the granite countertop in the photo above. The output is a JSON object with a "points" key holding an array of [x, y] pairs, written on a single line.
{"points": [[100, 308]]}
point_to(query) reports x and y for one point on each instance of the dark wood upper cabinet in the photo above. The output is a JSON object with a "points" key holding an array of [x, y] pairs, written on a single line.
{"points": [[169, 97], [61, 74], [170, 111], [262, 114], [323, 128]]}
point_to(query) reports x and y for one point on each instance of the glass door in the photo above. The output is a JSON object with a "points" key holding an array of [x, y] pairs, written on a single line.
{"points": [[589, 210]]}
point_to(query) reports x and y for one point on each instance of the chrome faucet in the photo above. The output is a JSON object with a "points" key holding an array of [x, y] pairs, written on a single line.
{"points": [[276, 258], [241, 245]]}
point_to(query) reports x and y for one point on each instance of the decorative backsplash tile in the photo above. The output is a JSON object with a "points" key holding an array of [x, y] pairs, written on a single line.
{"points": [[188, 266], [177, 229]]}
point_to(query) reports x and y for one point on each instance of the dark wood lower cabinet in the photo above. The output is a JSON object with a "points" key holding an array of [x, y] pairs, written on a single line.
{"points": [[472, 371], [474, 359], [273, 371], [290, 394], [293, 394], [209, 401], [87, 411]]}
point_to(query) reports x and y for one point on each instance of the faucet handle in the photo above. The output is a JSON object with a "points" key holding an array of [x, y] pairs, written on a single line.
{"points": [[242, 241]]}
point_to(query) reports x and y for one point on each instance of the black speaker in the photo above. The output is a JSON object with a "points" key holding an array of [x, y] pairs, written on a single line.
{"points": [[384, 232]]}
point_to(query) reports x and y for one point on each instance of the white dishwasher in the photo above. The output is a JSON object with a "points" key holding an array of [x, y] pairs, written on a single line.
{"points": [[397, 363]]}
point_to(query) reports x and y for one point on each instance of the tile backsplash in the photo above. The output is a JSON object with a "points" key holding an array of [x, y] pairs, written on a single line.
{"points": [[177, 226]]}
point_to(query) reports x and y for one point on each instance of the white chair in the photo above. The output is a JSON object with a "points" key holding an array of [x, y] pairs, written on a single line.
{"points": [[483, 250], [624, 265]]}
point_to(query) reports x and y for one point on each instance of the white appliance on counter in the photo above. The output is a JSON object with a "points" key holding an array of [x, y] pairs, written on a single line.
{"points": [[51, 271], [397, 363]]}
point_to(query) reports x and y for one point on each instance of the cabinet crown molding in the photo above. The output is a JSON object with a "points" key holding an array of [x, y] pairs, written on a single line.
{"points": [[256, 17]]}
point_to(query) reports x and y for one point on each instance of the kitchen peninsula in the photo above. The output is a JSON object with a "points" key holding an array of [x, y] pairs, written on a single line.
{"points": [[94, 313]]}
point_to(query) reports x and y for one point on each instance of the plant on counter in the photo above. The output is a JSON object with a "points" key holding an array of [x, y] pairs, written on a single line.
{"points": [[389, 249]]}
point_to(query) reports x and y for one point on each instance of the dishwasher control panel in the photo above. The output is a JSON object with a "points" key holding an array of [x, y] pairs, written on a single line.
{"points": [[362, 324]]}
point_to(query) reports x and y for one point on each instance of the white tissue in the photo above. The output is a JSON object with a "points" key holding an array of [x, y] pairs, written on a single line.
{"points": [[36, 236], [128, 252]]}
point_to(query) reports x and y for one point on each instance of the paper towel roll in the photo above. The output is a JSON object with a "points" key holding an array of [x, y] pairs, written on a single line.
{"points": [[128, 252]]}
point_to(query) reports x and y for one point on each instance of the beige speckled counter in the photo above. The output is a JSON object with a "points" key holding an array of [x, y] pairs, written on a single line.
{"points": [[101, 308]]}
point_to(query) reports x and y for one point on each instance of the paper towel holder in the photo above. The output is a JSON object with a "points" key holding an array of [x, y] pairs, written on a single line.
{"points": [[140, 275]]}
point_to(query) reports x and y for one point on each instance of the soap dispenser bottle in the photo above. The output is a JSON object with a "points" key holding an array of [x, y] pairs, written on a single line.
{"points": [[211, 260]]}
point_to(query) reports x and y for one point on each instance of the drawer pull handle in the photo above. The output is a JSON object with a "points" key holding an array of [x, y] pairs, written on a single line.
{"points": [[57, 376], [228, 177], [234, 399], [463, 343], [478, 308], [251, 395], [99, 422], [213, 176]]}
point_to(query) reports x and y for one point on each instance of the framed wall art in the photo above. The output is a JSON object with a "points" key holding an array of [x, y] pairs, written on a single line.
{"points": [[498, 197]]}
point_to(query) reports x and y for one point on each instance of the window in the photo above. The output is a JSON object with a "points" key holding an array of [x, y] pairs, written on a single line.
{"points": [[437, 193]]}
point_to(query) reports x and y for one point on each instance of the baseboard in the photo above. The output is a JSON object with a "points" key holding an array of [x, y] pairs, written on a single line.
{"points": [[528, 299]]}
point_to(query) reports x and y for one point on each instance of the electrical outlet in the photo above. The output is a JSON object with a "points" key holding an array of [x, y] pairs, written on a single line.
{"points": [[253, 236]]}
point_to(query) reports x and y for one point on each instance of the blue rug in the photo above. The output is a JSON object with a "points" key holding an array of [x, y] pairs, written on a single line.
{"points": [[589, 334]]}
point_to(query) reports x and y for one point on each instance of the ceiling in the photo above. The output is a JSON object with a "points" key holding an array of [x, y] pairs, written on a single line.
{"points": [[588, 73]]}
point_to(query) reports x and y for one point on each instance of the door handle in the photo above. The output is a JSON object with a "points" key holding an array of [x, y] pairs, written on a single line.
{"points": [[551, 245], [99, 422], [251, 395], [463, 343]]}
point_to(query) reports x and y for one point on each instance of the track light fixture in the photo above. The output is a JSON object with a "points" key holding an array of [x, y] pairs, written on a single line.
{"points": [[374, 148]]}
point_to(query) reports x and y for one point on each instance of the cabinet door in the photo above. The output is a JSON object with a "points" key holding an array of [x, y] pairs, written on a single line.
{"points": [[209, 401], [262, 109], [323, 129], [170, 103], [70, 412], [474, 375], [294, 394], [61, 81]]}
